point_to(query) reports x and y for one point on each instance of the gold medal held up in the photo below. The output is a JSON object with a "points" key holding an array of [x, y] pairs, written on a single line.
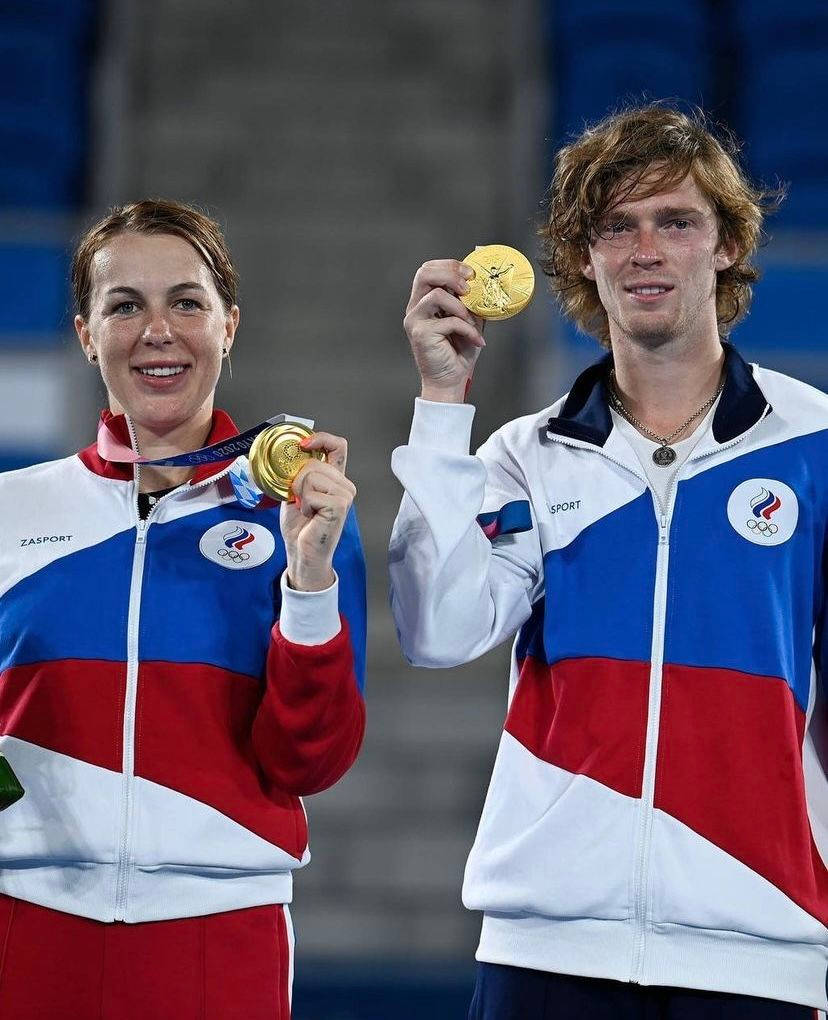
{"points": [[276, 457], [503, 282]]}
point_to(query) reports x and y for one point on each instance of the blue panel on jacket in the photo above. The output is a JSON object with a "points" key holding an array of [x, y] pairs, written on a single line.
{"points": [[599, 588], [75, 608], [194, 610], [85, 598], [185, 593], [757, 598]]}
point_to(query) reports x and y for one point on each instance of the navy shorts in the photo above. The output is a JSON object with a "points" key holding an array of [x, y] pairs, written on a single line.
{"points": [[513, 993]]}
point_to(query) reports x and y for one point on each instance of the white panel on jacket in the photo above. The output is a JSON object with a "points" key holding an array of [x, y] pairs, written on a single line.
{"points": [[687, 863], [543, 837], [38, 529], [172, 828], [70, 810]]}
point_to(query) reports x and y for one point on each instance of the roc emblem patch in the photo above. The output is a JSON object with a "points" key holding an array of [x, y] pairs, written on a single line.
{"points": [[763, 510], [237, 545]]}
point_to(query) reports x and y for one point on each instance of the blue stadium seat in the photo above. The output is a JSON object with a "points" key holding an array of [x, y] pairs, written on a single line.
{"points": [[632, 15], [11, 460], [589, 89], [788, 311], [762, 23], [44, 68], [69, 20], [40, 166], [602, 58], [781, 110], [34, 298]]}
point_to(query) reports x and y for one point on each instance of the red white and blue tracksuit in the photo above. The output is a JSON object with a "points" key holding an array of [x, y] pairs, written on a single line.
{"points": [[165, 698], [658, 810]]}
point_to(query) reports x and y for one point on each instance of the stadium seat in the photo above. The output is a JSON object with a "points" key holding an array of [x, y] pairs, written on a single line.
{"points": [[34, 301], [602, 58], [783, 64]]}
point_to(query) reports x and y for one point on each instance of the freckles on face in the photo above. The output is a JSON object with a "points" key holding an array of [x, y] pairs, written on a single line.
{"points": [[158, 326]]}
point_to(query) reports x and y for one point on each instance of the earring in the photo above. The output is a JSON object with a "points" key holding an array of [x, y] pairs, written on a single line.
{"points": [[225, 353], [92, 357]]}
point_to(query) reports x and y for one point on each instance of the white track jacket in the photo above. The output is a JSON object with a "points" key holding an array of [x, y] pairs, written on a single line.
{"points": [[658, 810]]}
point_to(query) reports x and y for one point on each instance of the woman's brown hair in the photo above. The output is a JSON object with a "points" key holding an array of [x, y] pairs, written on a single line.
{"points": [[641, 151], [156, 216]]}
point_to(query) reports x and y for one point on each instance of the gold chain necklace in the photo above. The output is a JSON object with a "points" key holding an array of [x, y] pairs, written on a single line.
{"points": [[665, 454]]}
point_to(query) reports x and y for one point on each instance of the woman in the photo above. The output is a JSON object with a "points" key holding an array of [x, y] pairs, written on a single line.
{"points": [[179, 664]]}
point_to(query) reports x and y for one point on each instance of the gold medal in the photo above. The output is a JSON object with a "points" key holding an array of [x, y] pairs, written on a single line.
{"points": [[503, 282], [276, 457]]}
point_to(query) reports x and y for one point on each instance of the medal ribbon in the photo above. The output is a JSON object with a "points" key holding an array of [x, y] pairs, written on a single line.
{"points": [[112, 449]]}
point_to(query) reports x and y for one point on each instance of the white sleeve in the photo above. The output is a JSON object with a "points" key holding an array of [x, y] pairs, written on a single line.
{"points": [[455, 593]]}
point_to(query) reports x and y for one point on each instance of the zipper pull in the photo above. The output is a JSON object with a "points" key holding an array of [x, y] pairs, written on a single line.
{"points": [[141, 536]]}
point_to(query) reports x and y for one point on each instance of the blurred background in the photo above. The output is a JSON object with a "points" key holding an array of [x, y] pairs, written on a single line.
{"points": [[341, 144]]}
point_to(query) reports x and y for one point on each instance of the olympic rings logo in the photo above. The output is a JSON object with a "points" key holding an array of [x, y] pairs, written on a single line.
{"points": [[762, 527], [233, 555]]}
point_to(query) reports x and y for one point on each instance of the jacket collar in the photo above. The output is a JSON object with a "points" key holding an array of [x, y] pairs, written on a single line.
{"points": [[585, 414], [222, 427]]}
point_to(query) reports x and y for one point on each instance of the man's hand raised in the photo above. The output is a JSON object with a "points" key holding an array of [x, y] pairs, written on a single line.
{"points": [[446, 339]]}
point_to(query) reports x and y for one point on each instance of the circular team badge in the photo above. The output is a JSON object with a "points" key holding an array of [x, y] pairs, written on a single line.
{"points": [[237, 545], [763, 510]]}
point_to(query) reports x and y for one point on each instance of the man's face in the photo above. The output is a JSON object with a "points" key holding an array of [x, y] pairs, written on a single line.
{"points": [[655, 262]]}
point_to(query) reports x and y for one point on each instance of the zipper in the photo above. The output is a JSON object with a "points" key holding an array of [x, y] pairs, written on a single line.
{"points": [[664, 516], [128, 762], [131, 694], [644, 841]]}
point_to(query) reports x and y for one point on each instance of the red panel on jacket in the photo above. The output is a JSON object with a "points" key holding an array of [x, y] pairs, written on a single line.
{"points": [[218, 737], [193, 734], [74, 706], [730, 768], [588, 716], [309, 729]]}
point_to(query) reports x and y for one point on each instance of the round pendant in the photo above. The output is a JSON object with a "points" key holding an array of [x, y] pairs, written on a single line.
{"points": [[664, 456]]}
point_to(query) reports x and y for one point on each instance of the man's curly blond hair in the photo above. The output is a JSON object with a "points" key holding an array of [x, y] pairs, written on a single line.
{"points": [[641, 151]]}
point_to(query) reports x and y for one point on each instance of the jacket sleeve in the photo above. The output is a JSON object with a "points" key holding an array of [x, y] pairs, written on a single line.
{"points": [[464, 559], [311, 720]]}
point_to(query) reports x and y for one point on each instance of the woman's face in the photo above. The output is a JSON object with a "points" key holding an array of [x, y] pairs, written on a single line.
{"points": [[158, 327]]}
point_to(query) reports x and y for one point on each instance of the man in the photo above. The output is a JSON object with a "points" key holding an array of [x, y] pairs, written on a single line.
{"points": [[654, 836]]}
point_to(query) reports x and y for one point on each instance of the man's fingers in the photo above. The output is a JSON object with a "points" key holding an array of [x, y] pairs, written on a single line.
{"points": [[438, 303], [449, 274], [450, 326]]}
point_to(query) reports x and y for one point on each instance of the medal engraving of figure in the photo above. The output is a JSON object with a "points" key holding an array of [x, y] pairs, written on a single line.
{"points": [[10, 788], [503, 282], [276, 457]]}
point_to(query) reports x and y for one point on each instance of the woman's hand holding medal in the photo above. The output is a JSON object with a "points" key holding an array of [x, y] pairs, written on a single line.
{"points": [[313, 519]]}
